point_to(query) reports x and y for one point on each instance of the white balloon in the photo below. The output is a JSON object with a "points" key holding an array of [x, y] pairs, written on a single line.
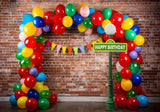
{"points": [[110, 29], [22, 36], [118, 66]]}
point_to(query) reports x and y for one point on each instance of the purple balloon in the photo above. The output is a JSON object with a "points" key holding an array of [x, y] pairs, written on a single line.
{"points": [[46, 28], [133, 55], [33, 71], [138, 49]]}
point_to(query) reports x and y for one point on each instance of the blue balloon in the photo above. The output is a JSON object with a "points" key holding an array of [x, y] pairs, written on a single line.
{"points": [[13, 100], [100, 29], [41, 77], [77, 19], [68, 27], [136, 29], [133, 55], [136, 80], [21, 27], [143, 100], [91, 11], [138, 73], [27, 18], [74, 26], [21, 22], [46, 28], [38, 22], [33, 71], [125, 16], [21, 45], [32, 93], [138, 49]]}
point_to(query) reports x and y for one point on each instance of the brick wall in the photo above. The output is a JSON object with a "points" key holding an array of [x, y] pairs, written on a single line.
{"points": [[84, 74]]}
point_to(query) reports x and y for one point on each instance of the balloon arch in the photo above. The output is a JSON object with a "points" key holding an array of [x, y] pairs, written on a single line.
{"points": [[31, 93]]}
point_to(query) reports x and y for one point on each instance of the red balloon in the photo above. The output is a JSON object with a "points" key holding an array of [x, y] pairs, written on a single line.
{"points": [[97, 18], [58, 19], [93, 27], [52, 98], [24, 72], [142, 93], [114, 12], [48, 17], [31, 104], [119, 90], [105, 36], [114, 38], [30, 81], [139, 59], [39, 68], [124, 60], [138, 89], [19, 93], [131, 45], [116, 19], [36, 58], [122, 53], [30, 42], [120, 101], [119, 32], [60, 9], [125, 73], [38, 48], [133, 103], [123, 40], [58, 28]]}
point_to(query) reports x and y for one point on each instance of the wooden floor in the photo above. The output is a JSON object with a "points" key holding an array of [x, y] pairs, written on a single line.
{"points": [[78, 107]]}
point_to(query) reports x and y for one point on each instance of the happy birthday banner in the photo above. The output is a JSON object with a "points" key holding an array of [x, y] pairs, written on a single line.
{"points": [[70, 49]]}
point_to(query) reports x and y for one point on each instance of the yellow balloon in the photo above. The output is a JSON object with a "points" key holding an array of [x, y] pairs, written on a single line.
{"points": [[31, 65], [105, 22], [42, 82], [45, 87], [82, 5], [81, 28], [126, 84], [21, 102], [29, 29], [139, 40], [27, 52], [37, 11], [25, 89], [67, 21], [38, 87], [127, 24]]}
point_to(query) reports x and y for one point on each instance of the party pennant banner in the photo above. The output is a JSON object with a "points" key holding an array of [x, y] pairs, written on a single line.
{"points": [[48, 43], [82, 49], [75, 49], [58, 48], [89, 47], [70, 50], [64, 49], [53, 46]]}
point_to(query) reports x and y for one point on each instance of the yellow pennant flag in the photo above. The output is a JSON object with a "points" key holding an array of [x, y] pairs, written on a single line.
{"points": [[94, 42], [100, 40], [53, 46], [64, 49]]}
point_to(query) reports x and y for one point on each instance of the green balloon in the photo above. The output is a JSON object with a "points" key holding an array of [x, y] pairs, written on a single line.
{"points": [[19, 55], [134, 67], [131, 93], [43, 104], [87, 22], [39, 39], [107, 12], [130, 35], [118, 76], [70, 9], [25, 63], [45, 94], [54, 11], [17, 86]]}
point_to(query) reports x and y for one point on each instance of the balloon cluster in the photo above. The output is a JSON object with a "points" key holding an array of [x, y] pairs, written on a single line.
{"points": [[31, 93]]}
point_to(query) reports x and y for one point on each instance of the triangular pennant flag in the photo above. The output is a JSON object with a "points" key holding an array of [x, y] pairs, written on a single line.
{"points": [[100, 40], [75, 50], [48, 43], [58, 48], [64, 49], [82, 49], [89, 46], [94, 42], [70, 50], [53, 46], [44, 40]]}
